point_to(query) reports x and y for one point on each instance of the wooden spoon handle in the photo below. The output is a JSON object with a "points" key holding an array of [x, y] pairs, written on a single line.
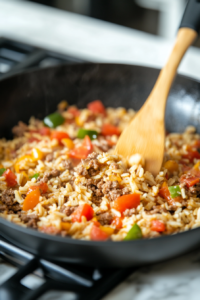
{"points": [[185, 38]]}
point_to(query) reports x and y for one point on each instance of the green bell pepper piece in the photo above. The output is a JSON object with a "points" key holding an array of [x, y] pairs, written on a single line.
{"points": [[54, 120], [134, 233], [83, 132], [175, 191], [2, 170], [36, 175]]}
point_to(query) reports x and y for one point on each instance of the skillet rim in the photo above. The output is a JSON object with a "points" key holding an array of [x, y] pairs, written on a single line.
{"points": [[69, 240], [57, 238]]}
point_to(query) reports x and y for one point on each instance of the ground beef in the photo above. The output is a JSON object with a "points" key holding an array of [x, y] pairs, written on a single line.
{"points": [[3, 207], [51, 174], [194, 190], [16, 207], [105, 218], [9, 205], [114, 194], [8, 197], [81, 171], [89, 166], [96, 200], [20, 129], [30, 220], [49, 157], [103, 147], [67, 164], [68, 210]]}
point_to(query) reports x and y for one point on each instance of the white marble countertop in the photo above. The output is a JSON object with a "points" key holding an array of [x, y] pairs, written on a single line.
{"points": [[95, 40]]}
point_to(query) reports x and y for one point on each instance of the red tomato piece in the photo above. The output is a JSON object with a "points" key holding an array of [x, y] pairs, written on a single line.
{"points": [[197, 144], [96, 223], [82, 151], [97, 107], [45, 131], [74, 111], [59, 135], [164, 193], [97, 234], [157, 226], [43, 187], [190, 181], [83, 210], [126, 202], [10, 178], [32, 199], [108, 129], [191, 155], [117, 222], [87, 143]]}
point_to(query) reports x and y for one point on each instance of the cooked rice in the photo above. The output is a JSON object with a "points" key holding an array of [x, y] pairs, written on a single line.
{"points": [[69, 189]]}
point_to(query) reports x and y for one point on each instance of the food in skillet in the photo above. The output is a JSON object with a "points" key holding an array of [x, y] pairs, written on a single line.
{"points": [[60, 176]]}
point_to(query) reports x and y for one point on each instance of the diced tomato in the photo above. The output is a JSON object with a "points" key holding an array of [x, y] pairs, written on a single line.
{"points": [[196, 144], [87, 143], [95, 222], [45, 131], [10, 178], [117, 222], [164, 193], [191, 155], [108, 129], [97, 107], [32, 199], [97, 234], [74, 111], [190, 181], [157, 226], [83, 210], [43, 187], [82, 151], [126, 202], [59, 135]]}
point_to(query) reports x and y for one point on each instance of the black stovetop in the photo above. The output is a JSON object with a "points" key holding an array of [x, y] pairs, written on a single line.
{"points": [[84, 282]]}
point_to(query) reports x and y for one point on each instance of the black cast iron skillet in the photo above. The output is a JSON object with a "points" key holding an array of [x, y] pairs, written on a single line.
{"points": [[38, 92]]}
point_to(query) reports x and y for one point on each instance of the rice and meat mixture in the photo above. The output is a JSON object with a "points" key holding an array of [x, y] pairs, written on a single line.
{"points": [[60, 176]]}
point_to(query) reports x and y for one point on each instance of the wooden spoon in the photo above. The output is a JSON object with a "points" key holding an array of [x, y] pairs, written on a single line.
{"points": [[146, 133]]}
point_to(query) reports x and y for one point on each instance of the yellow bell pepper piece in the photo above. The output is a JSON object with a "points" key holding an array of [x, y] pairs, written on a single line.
{"points": [[196, 166], [107, 230], [65, 225], [37, 154], [25, 178], [68, 143], [78, 121], [171, 166], [17, 164]]}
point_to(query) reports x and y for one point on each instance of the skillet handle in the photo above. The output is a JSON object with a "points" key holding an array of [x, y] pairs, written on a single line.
{"points": [[191, 16]]}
